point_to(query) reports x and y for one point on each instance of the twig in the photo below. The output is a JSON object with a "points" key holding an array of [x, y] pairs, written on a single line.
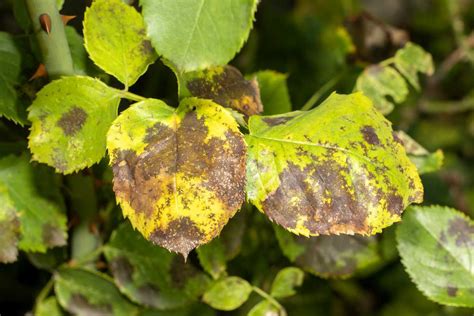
{"points": [[270, 299], [52, 41]]}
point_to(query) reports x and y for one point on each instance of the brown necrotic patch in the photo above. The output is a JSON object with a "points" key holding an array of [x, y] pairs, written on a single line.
{"points": [[273, 121], [320, 197], [80, 305], [331, 256], [320, 194], [370, 136], [180, 236], [452, 290], [228, 88], [462, 231], [72, 121], [53, 236], [146, 48], [218, 164]]}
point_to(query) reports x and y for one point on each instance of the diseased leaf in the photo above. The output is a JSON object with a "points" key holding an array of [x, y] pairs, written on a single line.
{"points": [[83, 292], [424, 161], [224, 85], [285, 282], [228, 294], [330, 256], [150, 275], [29, 219], [179, 175], [115, 38], [379, 82], [70, 118], [436, 245], [10, 66], [265, 308], [273, 92], [334, 170], [49, 307], [197, 34], [412, 59]]}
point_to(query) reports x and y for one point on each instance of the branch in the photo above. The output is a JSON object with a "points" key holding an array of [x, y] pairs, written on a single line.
{"points": [[53, 43]]}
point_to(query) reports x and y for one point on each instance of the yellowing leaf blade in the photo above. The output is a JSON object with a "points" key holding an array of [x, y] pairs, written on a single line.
{"points": [[115, 38], [178, 175], [334, 170]]}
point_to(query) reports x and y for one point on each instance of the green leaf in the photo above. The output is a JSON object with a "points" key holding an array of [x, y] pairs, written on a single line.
{"points": [[10, 66], [285, 282], [384, 84], [273, 92], [424, 161], [330, 256], [212, 258], [150, 275], [115, 38], [28, 216], [412, 59], [82, 64], [380, 83], [49, 307], [70, 118], [336, 169], [436, 244], [197, 34], [228, 294], [224, 85], [179, 174], [83, 292], [265, 308]]}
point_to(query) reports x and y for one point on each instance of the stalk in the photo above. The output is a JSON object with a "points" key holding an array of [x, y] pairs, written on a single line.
{"points": [[54, 46]]}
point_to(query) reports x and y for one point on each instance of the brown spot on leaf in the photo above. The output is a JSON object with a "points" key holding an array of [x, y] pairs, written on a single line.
{"points": [[329, 206], [394, 203], [53, 236], [397, 139], [181, 272], [9, 231], [273, 121], [122, 270], [229, 89], [331, 256], [146, 48], [72, 121], [180, 236], [78, 304], [370, 136], [142, 180], [452, 291], [463, 231]]}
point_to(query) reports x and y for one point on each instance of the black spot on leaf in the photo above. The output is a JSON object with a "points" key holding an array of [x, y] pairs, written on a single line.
{"points": [[463, 231], [370, 136], [72, 121], [228, 88]]}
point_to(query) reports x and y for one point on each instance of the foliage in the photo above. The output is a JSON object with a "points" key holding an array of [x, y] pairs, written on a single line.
{"points": [[182, 137]]}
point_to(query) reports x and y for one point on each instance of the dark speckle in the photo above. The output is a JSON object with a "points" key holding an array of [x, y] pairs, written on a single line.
{"points": [[369, 135], [452, 291], [463, 231], [181, 236], [272, 121], [72, 121], [146, 47]]}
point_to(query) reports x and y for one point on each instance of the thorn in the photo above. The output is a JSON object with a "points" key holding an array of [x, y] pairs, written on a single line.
{"points": [[45, 22], [40, 72], [67, 18]]}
